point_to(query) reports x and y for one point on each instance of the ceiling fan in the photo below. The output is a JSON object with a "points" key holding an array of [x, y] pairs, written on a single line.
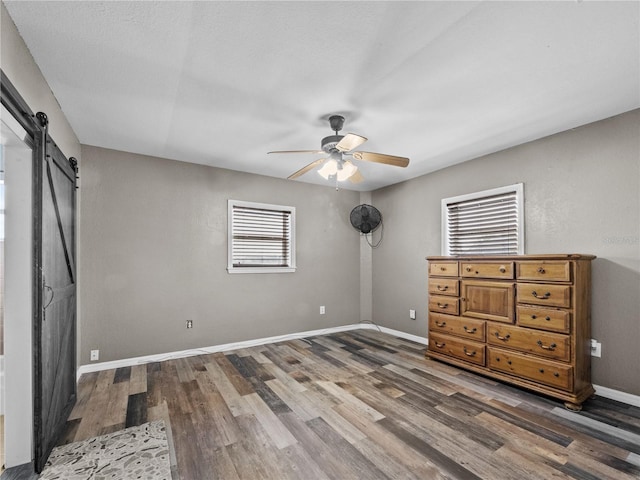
{"points": [[339, 146]]}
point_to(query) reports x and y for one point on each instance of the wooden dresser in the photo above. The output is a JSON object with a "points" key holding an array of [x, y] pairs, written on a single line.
{"points": [[522, 319]]}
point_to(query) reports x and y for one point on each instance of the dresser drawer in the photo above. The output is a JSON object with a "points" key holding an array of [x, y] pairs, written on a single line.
{"points": [[544, 344], [443, 304], [444, 286], [550, 319], [487, 270], [550, 373], [544, 294], [460, 327], [443, 269], [557, 271], [456, 347]]}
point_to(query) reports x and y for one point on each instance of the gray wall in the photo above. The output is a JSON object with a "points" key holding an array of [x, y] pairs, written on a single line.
{"points": [[154, 254], [582, 195]]}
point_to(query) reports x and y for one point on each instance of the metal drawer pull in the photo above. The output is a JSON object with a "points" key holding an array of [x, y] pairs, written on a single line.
{"points": [[556, 374], [443, 269], [547, 318], [551, 347], [470, 330], [472, 354], [440, 345], [541, 270], [468, 269], [541, 370], [443, 305], [442, 289], [505, 338], [509, 362], [502, 269], [438, 324], [541, 297]]}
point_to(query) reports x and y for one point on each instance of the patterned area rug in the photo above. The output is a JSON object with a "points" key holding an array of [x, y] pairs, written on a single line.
{"points": [[134, 453]]}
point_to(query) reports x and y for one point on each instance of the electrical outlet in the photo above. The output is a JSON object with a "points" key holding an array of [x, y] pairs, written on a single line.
{"points": [[95, 355], [596, 348], [189, 323], [322, 310], [412, 314]]}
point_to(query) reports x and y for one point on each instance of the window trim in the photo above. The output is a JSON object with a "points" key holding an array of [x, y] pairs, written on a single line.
{"points": [[266, 268], [517, 188]]}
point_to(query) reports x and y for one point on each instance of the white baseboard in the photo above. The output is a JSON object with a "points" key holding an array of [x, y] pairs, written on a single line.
{"points": [[129, 362], [398, 333], [610, 393]]}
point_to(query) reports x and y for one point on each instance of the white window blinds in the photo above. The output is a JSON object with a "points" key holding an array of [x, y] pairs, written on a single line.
{"points": [[485, 223], [261, 237]]}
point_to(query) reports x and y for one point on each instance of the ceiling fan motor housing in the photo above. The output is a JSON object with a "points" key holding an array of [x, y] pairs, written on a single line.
{"points": [[329, 143]]}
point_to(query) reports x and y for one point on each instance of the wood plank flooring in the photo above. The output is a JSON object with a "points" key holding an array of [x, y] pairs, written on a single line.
{"points": [[355, 405]]}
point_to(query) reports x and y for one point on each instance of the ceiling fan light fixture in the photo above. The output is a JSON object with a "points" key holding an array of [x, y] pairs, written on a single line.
{"points": [[348, 169], [329, 169]]}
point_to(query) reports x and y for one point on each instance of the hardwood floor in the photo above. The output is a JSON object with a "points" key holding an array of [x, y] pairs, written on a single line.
{"points": [[355, 405]]}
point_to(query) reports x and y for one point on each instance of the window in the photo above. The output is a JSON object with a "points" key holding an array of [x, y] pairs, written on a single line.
{"points": [[484, 223], [261, 238]]}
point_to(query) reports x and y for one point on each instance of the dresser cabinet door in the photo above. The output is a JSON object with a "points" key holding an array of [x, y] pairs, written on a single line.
{"points": [[488, 300]]}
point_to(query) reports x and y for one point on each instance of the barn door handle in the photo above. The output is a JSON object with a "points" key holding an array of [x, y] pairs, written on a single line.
{"points": [[46, 287], [53, 294]]}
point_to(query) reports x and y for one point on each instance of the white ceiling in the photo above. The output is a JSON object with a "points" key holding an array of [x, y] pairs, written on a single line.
{"points": [[223, 83]]}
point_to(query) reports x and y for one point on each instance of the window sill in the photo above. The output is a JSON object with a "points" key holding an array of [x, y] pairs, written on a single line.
{"points": [[261, 269]]}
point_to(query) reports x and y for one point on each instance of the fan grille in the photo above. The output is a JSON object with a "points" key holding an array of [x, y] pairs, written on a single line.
{"points": [[365, 218]]}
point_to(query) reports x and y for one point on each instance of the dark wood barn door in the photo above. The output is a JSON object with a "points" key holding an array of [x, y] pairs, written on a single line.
{"points": [[55, 329]]}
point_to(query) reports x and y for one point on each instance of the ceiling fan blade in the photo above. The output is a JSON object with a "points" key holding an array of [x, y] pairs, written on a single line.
{"points": [[350, 141], [381, 158], [315, 152], [356, 177], [305, 169]]}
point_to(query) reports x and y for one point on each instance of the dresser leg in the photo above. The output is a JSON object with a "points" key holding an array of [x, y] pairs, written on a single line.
{"points": [[574, 407]]}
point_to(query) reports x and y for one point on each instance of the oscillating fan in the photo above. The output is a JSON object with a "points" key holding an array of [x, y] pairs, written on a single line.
{"points": [[365, 218]]}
